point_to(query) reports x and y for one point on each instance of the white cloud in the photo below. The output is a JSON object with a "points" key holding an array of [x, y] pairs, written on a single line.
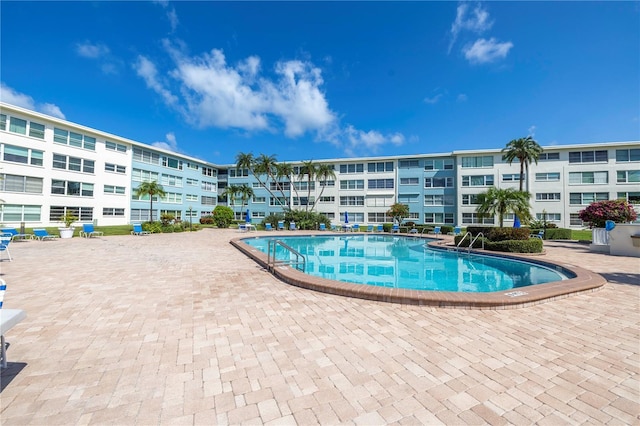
{"points": [[147, 70], [477, 21], [358, 141], [172, 16], [532, 130], [433, 99], [171, 144], [10, 96], [462, 97], [484, 51], [90, 50]]}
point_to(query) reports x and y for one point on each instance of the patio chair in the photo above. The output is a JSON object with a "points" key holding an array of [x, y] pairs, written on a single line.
{"points": [[268, 227], [137, 230], [292, 226], [355, 228], [436, 230], [334, 227], [281, 225], [88, 231], [369, 228], [380, 228], [15, 235], [457, 231], [322, 227], [42, 234], [4, 246], [395, 228], [540, 235]]}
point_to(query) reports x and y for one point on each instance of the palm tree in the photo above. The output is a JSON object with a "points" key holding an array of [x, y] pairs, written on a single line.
{"points": [[285, 171], [262, 165], [501, 201], [245, 192], [310, 169], [324, 172], [152, 189], [230, 192], [525, 150]]}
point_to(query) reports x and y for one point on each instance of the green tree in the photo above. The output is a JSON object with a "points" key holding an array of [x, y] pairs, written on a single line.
{"points": [[618, 211], [324, 172], [264, 165], [222, 216], [152, 189], [498, 201], [285, 171], [525, 150], [398, 212], [309, 169], [245, 192], [231, 191]]}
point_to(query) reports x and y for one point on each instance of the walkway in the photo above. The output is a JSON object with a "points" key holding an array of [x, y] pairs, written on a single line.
{"points": [[183, 329]]}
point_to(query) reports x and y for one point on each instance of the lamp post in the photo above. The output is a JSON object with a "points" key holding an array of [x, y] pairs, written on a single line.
{"points": [[190, 217]]}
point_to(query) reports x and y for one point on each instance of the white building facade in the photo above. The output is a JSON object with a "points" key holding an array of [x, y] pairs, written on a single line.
{"points": [[50, 166]]}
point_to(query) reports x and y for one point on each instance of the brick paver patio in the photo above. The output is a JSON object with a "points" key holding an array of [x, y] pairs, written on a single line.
{"points": [[184, 329]]}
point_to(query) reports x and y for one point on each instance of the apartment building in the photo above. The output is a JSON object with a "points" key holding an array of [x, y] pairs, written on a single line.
{"points": [[50, 166]]}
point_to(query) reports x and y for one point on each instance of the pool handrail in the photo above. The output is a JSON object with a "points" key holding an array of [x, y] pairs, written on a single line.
{"points": [[473, 240], [272, 262]]}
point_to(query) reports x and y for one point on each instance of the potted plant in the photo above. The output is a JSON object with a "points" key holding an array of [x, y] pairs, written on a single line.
{"points": [[68, 219]]}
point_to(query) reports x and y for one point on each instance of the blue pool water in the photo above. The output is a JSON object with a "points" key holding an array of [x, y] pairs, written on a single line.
{"points": [[401, 262]]}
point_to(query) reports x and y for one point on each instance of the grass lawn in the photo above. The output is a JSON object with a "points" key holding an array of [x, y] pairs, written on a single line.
{"points": [[581, 234]]}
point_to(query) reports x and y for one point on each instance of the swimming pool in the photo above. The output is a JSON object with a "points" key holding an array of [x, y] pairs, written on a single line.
{"points": [[406, 263]]}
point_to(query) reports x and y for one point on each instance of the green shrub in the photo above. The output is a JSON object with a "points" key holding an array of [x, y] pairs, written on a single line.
{"points": [[475, 230], [446, 229], [207, 220], [502, 234], [222, 216], [530, 245], [557, 234]]}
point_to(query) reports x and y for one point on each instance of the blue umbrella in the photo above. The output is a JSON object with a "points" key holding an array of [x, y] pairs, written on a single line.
{"points": [[247, 218], [516, 222], [346, 217]]}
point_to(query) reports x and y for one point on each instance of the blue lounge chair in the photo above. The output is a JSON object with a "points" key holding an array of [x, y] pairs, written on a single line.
{"points": [[88, 231], [268, 227], [395, 228], [457, 231], [322, 227], [15, 235], [334, 227], [540, 235], [137, 230], [355, 228], [369, 228], [292, 226], [281, 225], [42, 234], [4, 246], [380, 228], [436, 230]]}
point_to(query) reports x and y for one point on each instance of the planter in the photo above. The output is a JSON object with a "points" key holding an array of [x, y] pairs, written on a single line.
{"points": [[600, 236], [66, 232], [635, 239]]}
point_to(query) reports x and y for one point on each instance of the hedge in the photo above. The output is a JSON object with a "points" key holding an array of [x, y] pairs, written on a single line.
{"points": [[504, 234], [530, 245], [555, 233]]}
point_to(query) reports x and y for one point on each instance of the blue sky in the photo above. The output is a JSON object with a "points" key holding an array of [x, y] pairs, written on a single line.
{"points": [[315, 80]]}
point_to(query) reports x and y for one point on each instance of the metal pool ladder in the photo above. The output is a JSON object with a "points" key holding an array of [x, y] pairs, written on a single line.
{"points": [[300, 263], [473, 240]]}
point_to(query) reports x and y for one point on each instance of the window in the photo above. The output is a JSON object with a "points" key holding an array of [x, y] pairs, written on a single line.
{"points": [[278, 201], [258, 215], [486, 180], [574, 220], [438, 218], [352, 200], [628, 176], [625, 155], [515, 177], [208, 186], [192, 182], [75, 189], [549, 217], [192, 166], [36, 130], [73, 164], [438, 200], [141, 215], [438, 182], [112, 146], [145, 156], [171, 180], [408, 198], [547, 177], [408, 164], [235, 172], [352, 184], [445, 164], [549, 156], [353, 217], [279, 186], [303, 201], [327, 199], [208, 201], [586, 198], [328, 183], [378, 218], [352, 168], [138, 175], [172, 163], [191, 197], [17, 125], [172, 198], [304, 186], [475, 218], [84, 214], [208, 171], [74, 139], [577, 178], [380, 200], [468, 199], [477, 162], [410, 181], [588, 156], [112, 212], [20, 213], [547, 196], [111, 189], [16, 154], [3, 122], [380, 184], [380, 167], [631, 197], [16, 183], [108, 167], [259, 200]]}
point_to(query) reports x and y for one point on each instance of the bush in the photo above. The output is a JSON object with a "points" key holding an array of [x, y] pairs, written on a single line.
{"points": [[530, 245], [597, 213], [207, 220], [475, 230], [446, 229], [222, 216], [556, 234], [503, 234]]}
